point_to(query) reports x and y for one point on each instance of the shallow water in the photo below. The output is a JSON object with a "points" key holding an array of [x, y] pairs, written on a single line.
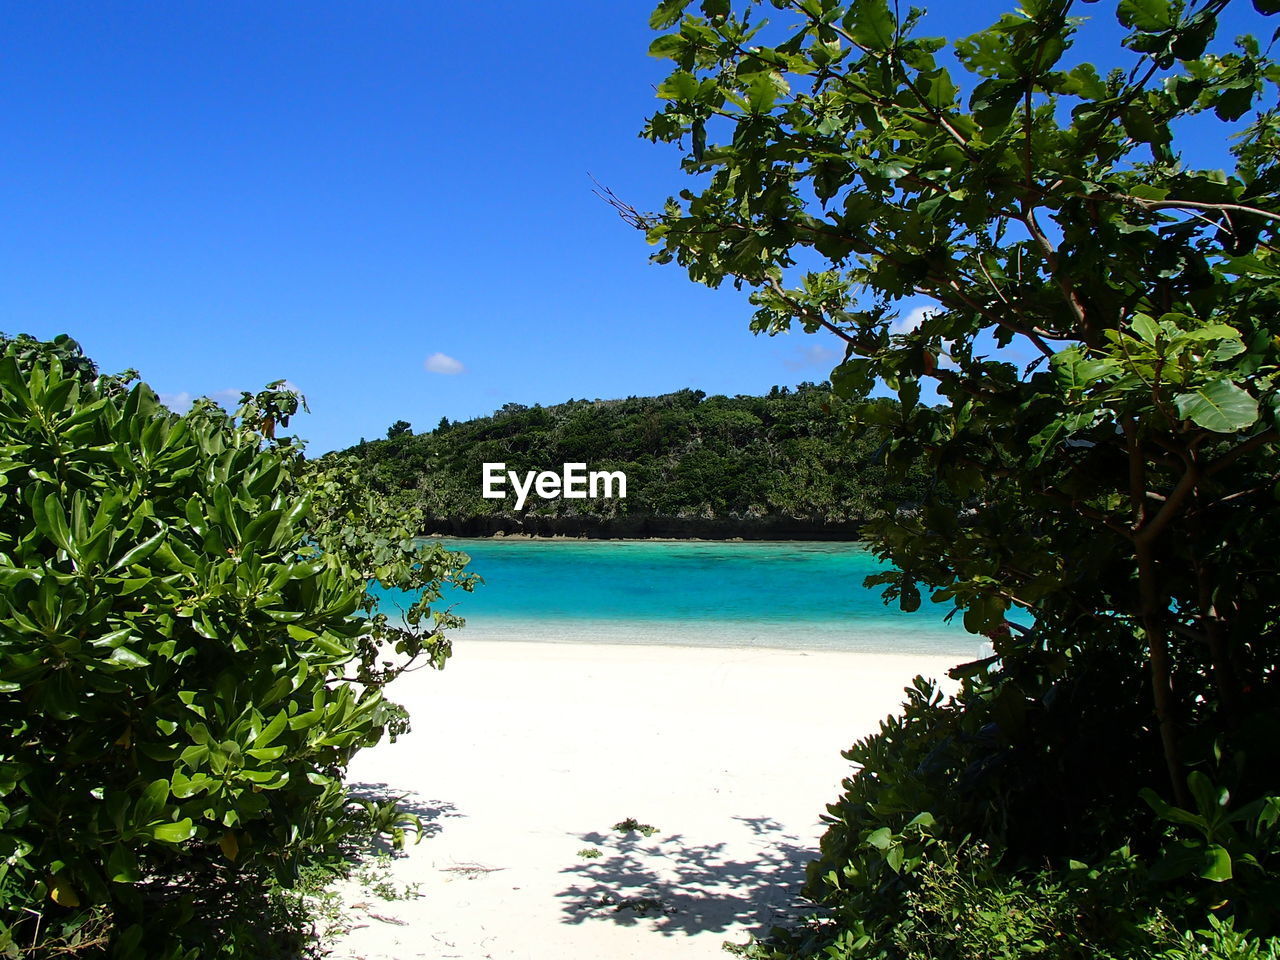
{"points": [[795, 595]]}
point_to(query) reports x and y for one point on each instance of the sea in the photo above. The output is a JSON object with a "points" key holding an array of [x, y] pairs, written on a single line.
{"points": [[790, 595]]}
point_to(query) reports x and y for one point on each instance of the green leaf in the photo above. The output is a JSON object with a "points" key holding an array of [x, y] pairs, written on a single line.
{"points": [[880, 839], [126, 658], [1140, 124], [332, 647], [266, 753], [11, 576], [1220, 406], [1074, 372], [1146, 328], [1209, 799], [51, 520], [272, 730], [151, 804], [668, 46], [1149, 15], [175, 832], [1083, 81], [994, 101], [681, 85], [762, 92], [140, 552], [895, 857], [1212, 331], [1226, 350], [1182, 858], [113, 639], [122, 866], [304, 720], [667, 14], [13, 381], [941, 90], [1217, 864], [1167, 811], [871, 24]]}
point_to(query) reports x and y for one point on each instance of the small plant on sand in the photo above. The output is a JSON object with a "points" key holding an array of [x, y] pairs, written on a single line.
{"points": [[641, 905], [316, 905], [589, 853], [375, 877], [632, 825]]}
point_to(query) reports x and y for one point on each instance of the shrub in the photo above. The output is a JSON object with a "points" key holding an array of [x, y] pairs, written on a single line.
{"points": [[948, 840], [188, 657]]}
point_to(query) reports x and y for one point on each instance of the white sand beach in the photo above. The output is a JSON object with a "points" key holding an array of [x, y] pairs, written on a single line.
{"points": [[524, 754]]}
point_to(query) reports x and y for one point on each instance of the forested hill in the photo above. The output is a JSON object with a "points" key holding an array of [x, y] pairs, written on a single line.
{"points": [[777, 466]]}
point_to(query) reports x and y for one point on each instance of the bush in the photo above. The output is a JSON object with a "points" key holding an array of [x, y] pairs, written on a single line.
{"points": [[188, 659], [1003, 822]]}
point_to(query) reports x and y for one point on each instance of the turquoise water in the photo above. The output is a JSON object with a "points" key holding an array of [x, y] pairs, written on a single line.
{"points": [[795, 595]]}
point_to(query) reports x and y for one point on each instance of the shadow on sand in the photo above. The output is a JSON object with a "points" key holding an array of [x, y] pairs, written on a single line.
{"points": [[686, 889]]}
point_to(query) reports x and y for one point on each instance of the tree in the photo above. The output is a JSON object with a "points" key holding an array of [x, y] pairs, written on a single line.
{"points": [[188, 658], [1106, 341], [401, 428], [1095, 396]]}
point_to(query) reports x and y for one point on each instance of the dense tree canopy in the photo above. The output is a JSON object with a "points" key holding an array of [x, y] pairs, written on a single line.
{"points": [[1106, 346], [686, 456], [1106, 338]]}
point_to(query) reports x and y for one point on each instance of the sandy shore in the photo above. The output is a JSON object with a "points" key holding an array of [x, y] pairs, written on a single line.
{"points": [[524, 754]]}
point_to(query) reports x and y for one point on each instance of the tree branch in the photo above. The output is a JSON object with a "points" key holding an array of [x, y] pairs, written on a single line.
{"points": [[1169, 204]]}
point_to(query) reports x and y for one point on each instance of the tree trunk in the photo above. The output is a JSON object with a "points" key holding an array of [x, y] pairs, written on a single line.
{"points": [[1161, 670]]}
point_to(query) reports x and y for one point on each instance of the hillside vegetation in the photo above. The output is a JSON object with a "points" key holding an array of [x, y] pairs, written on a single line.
{"points": [[695, 466]]}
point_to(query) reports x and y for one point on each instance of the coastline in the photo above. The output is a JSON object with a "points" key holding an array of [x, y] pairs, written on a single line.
{"points": [[522, 754], [643, 527], [560, 537]]}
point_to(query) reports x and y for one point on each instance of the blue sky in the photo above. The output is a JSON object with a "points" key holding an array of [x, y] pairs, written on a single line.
{"points": [[224, 194]]}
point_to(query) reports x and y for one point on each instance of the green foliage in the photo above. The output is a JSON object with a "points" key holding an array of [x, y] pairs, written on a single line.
{"points": [[188, 657], [1107, 343], [962, 903], [979, 827], [686, 456], [1106, 347], [1221, 941], [954, 805], [1236, 850]]}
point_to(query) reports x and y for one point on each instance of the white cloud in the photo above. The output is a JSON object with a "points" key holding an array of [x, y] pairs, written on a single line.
{"points": [[815, 355], [181, 402], [177, 402], [229, 399], [443, 363], [913, 319]]}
